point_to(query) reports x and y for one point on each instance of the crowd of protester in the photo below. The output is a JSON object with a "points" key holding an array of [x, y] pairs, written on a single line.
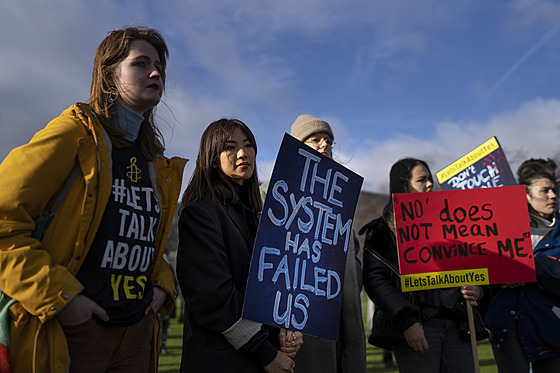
{"points": [[87, 205]]}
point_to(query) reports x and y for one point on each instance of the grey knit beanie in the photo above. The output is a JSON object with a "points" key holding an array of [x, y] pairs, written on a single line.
{"points": [[307, 125]]}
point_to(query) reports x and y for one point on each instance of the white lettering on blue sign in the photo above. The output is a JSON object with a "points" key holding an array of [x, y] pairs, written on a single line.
{"points": [[328, 226], [488, 177], [311, 215], [330, 187], [301, 302]]}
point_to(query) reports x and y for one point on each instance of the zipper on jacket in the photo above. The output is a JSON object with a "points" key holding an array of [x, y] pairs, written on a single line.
{"points": [[90, 127]]}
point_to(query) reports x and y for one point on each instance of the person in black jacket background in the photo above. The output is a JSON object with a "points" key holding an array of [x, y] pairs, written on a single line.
{"points": [[217, 230], [422, 327]]}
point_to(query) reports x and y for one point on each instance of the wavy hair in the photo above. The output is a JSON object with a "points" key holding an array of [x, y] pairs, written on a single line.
{"points": [[112, 50]]}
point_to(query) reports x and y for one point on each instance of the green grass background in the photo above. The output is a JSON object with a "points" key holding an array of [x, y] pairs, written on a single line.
{"points": [[170, 362]]}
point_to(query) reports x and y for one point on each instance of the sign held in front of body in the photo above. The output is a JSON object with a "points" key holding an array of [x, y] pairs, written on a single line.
{"points": [[297, 269], [451, 238]]}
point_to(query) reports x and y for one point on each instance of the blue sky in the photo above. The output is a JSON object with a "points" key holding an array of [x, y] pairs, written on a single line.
{"points": [[426, 78]]}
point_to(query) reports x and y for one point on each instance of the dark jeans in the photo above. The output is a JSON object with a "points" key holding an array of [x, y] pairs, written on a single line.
{"points": [[94, 348], [448, 351]]}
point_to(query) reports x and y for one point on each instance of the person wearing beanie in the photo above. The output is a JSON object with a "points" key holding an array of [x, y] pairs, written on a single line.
{"points": [[348, 354], [314, 132]]}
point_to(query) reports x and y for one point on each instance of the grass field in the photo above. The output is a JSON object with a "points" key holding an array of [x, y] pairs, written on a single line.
{"points": [[171, 362]]}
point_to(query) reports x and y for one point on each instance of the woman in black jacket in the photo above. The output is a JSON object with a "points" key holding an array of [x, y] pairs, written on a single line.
{"points": [[217, 230], [421, 327]]}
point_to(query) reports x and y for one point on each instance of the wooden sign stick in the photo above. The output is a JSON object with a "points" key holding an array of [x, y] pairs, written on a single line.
{"points": [[473, 337]]}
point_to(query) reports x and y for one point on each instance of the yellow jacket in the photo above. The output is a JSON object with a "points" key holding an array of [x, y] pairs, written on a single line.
{"points": [[40, 274]]}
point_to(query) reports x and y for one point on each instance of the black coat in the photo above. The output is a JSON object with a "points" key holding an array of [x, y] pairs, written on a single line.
{"points": [[397, 311], [213, 260], [394, 311]]}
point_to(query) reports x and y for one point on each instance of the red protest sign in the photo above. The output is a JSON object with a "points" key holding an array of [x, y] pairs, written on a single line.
{"points": [[451, 238]]}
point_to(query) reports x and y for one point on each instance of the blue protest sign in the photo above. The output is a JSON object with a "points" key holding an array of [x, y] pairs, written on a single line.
{"points": [[297, 269], [484, 167]]}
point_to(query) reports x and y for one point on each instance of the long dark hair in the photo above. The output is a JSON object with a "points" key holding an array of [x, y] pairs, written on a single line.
{"points": [[399, 182], [112, 50], [208, 182]]}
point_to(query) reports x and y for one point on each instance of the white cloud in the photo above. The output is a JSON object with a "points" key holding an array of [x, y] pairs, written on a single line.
{"points": [[533, 130], [183, 118], [47, 59], [527, 17], [242, 59]]}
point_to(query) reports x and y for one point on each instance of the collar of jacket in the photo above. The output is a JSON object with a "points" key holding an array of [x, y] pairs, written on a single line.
{"points": [[553, 240], [84, 113]]}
